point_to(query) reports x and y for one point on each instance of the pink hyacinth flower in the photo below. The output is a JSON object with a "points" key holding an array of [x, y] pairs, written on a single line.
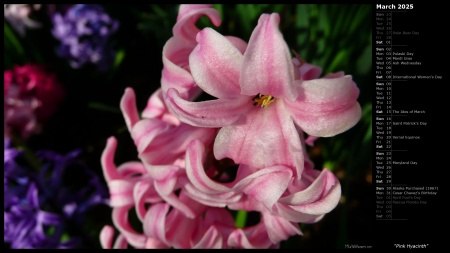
{"points": [[259, 101]]}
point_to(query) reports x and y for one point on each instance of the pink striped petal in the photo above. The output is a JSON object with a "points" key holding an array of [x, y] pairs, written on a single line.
{"points": [[107, 160], [154, 222], [290, 214], [145, 131], [262, 138], [248, 203], [128, 107], [215, 65], [212, 199], [250, 238], [212, 239], [121, 242], [278, 228], [179, 229], [320, 197], [131, 169], [266, 185], [156, 109], [121, 193], [213, 113], [120, 220], [326, 107], [167, 185], [161, 172], [175, 73], [171, 143], [267, 67], [152, 243], [176, 203], [144, 193], [188, 15], [107, 237], [195, 156]]}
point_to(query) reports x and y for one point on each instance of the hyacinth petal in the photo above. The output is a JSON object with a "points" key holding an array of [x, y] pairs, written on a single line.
{"points": [[266, 185], [143, 193], [215, 64], [212, 113], [250, 238], [267, 67], [107, 160], [153, 243], [248, 203], [121, 242], [154, 222], [212, 239], [128, 107], [155, 105], [121, 193], [278, 228], [120, 220], [309, 71], [160, 172], [216, 200], [263, 138], [188, 14], [166, 185], [290, 214], [156, 109], [195, 155], [107, 237], [172, 143], [176, 203], [320, 197], [145, 131], [175, 73], [218, 216], [238, 43], [326, 107]]}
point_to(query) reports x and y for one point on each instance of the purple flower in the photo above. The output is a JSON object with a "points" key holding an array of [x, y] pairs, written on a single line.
{"points": [[41, 210], [84, 32]]}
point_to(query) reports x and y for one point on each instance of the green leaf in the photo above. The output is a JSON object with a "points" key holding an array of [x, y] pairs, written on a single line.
{"points": [[10, 37], [338, 60]]}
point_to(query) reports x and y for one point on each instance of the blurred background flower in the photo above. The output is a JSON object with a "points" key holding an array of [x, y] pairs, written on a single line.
{"points": [[46, 200], [31, 95], [19, 16], [84, 32]]}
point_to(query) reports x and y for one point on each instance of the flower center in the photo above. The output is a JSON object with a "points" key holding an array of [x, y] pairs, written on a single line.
{"points": [[262, 100]]}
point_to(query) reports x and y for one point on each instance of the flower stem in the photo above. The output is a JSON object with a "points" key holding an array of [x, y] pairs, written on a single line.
{"points": [[241, 219]]}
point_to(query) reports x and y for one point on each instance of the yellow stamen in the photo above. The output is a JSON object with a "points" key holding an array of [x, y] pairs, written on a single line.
{"points": [[262, 100]]}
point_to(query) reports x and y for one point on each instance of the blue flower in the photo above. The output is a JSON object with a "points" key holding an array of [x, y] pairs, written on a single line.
{"points": [[84, 32], [41, 206]]}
